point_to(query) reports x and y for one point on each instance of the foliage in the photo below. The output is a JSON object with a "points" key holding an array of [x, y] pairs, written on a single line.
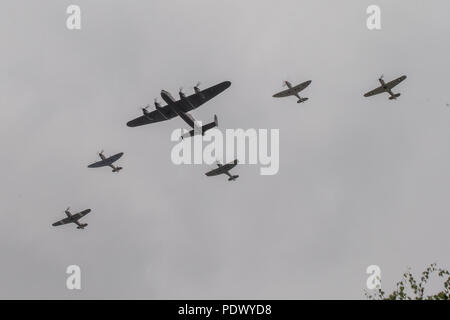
{"points": [[410, 289]]}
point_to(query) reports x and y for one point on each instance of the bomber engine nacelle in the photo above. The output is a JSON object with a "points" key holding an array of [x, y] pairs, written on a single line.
{"points": [[145, 111], [198, 91], [160, 110], [181, 93]]}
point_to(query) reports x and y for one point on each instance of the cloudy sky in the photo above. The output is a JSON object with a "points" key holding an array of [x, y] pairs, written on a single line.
{"points": [[362, 181]]}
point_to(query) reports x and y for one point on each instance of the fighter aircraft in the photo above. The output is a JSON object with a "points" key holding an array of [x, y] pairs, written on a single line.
{"points": [[73, 218], [107, 161], [181, 108], [386, 87], [224, 169], [293, 91]]}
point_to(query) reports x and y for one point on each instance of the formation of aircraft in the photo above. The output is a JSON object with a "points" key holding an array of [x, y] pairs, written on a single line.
{"points": [[181, 108], [73, 218], [224, 169], [107, 161], [386, 87], [172, 109], [293, 91]]}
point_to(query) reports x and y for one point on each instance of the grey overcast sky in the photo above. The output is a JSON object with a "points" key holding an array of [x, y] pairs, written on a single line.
{"points": [[362, 181]]}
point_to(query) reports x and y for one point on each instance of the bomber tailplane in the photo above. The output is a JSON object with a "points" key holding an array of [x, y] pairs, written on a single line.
{"points": [[201, 130]]}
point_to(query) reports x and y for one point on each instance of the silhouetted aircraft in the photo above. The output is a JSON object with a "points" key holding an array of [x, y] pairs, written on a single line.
{"points": [[73, 218], [293, 91], [107, 161], [181, 108], [223, 169], [386, 87]]}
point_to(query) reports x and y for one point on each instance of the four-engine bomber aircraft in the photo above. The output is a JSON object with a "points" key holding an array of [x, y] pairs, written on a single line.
{"points": [[386, 87], [73, 218], [293, 91], [107, 161], [181, 108], [224, 169]]}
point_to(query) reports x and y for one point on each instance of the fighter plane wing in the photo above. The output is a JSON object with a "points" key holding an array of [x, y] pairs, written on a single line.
{"points": [[107, 161], [374, 92], [194, 101], [61, 222], [395, 82], [282, 94], [293, 90], [81, 214]]}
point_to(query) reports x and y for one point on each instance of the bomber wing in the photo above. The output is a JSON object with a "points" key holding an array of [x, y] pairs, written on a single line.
{"points": [[199, 98], [155, 116]]}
